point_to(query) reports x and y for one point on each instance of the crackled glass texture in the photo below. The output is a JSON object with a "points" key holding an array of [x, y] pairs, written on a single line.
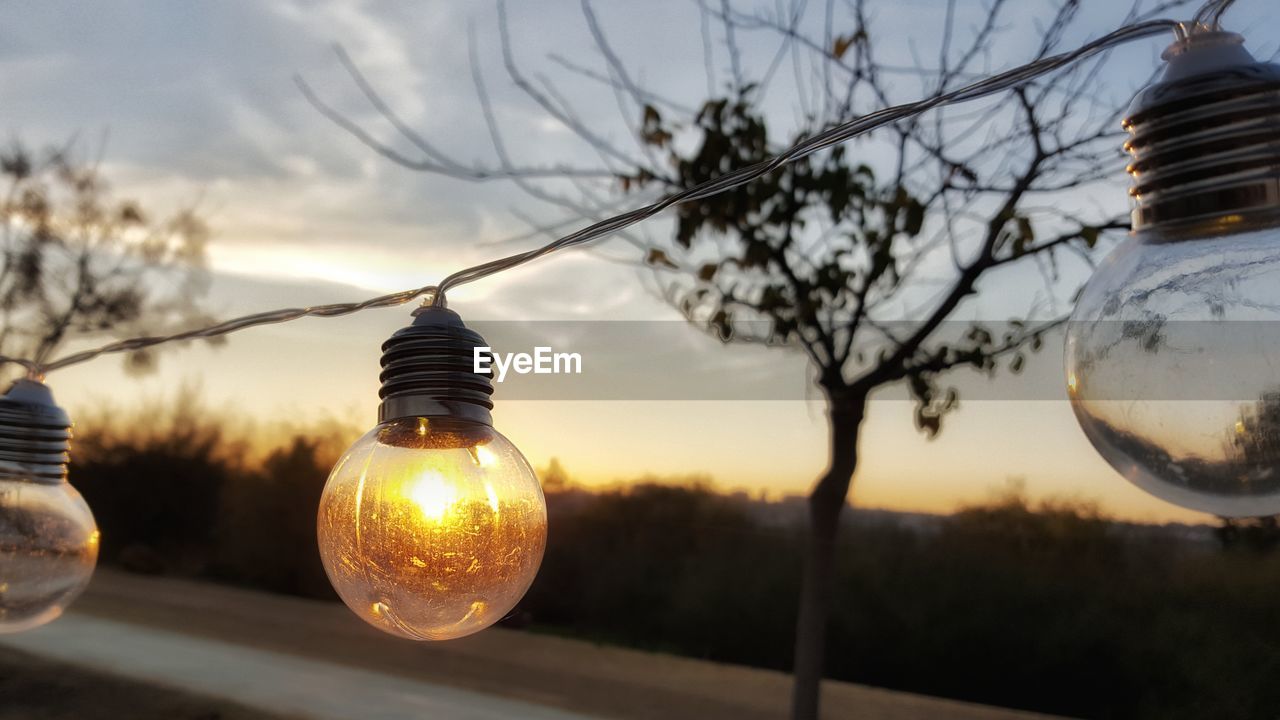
{"points": [[1173, 369], [48, 549], [432, 529]]}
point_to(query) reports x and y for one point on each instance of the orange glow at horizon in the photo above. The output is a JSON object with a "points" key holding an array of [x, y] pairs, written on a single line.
{"points": [[778, 448]]}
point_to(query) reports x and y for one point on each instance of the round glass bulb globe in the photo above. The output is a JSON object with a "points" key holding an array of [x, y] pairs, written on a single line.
{"points": [[48, 549], [432, 529], [1173, 369]]}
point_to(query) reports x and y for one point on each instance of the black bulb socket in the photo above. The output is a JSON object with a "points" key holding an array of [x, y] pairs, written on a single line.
{"points": [[428, 371]]}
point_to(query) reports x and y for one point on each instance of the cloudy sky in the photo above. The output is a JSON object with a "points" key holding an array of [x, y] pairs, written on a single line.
{"points": [[197, 103]]}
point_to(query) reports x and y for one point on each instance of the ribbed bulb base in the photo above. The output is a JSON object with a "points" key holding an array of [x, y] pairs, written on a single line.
{"points": [[1205, 142], [428, 371], [35, 434]]}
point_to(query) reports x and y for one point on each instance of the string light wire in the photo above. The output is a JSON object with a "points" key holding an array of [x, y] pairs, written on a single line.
{"points": [[1210, 14], [1207, 18]]}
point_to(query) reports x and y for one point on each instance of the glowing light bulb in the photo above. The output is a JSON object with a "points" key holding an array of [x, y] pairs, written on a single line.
{"points": [[48, 538], [1173, 352], [432, 526]]}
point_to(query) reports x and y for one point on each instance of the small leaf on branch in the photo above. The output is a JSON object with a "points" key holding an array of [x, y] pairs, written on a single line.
{"points": [[928, 422], [915, 217], [651, 130], [1026, 235], [842, 45], [844, 42], [721, 324], [658, 258], [1090, 236]]}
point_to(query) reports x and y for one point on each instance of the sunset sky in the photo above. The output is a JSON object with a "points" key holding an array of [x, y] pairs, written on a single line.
{"points": [[197, 103]]}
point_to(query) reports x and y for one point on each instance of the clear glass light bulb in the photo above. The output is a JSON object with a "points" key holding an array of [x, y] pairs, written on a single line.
{"points": [[48, 549], [432, 528], [48, 539], [1173, 351], [1173, 369]]}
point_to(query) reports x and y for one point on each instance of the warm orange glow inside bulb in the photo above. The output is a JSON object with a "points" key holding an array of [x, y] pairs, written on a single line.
{"points": [[432, 529], [433, 494]]}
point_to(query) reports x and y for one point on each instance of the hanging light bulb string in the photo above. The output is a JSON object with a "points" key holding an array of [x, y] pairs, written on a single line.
{"points": [[1210, 15], [227, 327], [1207, 19]]}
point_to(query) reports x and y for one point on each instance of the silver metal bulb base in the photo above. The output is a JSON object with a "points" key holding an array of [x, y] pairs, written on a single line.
{"points": [[35, 434], [428, 370], [1205, 142]]}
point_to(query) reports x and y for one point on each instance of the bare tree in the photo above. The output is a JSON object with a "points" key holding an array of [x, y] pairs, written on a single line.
{"points": [[827, 253], [76, 262]]}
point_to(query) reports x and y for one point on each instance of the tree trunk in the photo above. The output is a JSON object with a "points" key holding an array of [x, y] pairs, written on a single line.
{"points": [[825, 505]]}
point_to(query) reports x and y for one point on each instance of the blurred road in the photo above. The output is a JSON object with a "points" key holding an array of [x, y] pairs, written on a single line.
{"points": [[314, 659], [279, 683]]}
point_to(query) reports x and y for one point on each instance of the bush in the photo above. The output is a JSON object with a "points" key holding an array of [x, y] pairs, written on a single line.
{"points": [[173, 491], [1052, 607], [154, 478]]}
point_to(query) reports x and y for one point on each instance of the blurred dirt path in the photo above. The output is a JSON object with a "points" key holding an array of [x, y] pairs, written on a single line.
{"points": [[499, 665], [40, 688], [279, 683]]}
